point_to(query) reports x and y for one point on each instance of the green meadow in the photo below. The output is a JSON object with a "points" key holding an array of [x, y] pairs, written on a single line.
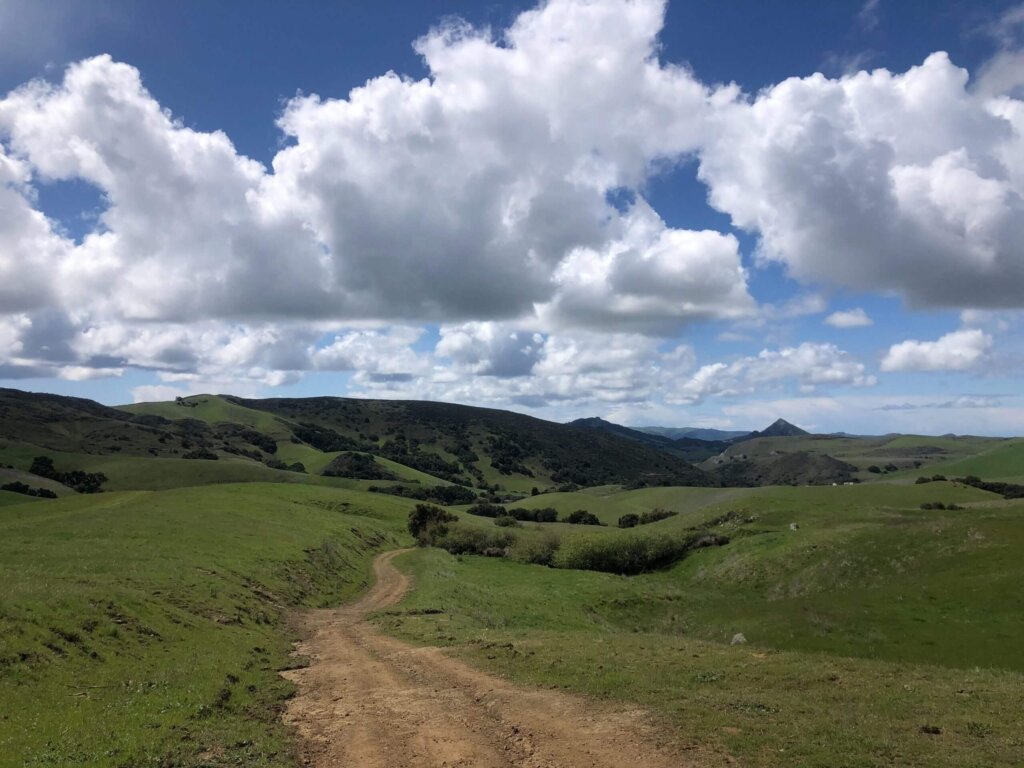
{"points": [[848, 625], [868, 622], [147, 628]]}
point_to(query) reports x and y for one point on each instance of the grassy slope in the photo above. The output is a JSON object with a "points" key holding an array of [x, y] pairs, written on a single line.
{"points": [[145, 628], [1003, 462], [931, 452], [870, 620], [213, 409]]}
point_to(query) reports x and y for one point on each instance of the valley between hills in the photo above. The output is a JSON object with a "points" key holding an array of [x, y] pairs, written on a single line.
{"points": [[192, 583]]}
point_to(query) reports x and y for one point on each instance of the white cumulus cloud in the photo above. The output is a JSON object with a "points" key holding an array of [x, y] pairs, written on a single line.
{"points": [[957, 351], [850, 318]]}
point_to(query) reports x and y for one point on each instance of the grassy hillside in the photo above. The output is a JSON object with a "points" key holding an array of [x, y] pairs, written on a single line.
{"points": [[212, 409], [1003, 462], [485, 445], [851, 600], [146, 628], [144, 625], [891, 454]]}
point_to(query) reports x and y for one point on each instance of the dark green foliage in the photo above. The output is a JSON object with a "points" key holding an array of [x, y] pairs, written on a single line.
{"points": [[200, 453], [297, 466], [875, 469], [922, 480], [1006, 490], [360, 466], [536, 550], [401, 450], [474, 541], [654, 515], [630, 520], [439, 494], [17, 487], [324, 439], [486, 509], [581, 517], [507, 521], [43, 466], [938, 478], [427, 522], [76, 479], [507, 455], [630, 554]]}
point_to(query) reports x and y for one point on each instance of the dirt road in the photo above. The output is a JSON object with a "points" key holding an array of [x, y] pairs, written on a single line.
{"points": [[370, 701]]}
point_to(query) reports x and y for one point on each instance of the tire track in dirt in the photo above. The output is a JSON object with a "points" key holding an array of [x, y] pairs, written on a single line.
{"points": [[370, 701]]}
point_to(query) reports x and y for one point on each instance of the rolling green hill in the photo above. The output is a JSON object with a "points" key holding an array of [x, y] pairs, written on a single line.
{"points": [[144, 625]]}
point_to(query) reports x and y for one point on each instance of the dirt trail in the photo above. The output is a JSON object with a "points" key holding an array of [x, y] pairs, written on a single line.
{"points": [[370, 701]]}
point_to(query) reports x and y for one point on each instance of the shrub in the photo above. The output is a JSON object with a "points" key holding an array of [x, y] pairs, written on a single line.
{"points": [[629, 554], [201, 453], [359, 466], [76, 479], [655, 515], [507, 521], [537, 550], [545, 515], [43, 466], [875, 469], [922, 480], [486, 509], [427, 522], [938, 478], [439, 494], [581, 517], [629, 521], [22, 488], [1006, 490], [474, 541]]}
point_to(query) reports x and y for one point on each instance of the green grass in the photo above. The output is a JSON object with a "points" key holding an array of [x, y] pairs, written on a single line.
{"points": [[868, 621], [213, 409], [1004, 462], [7, 498], [147, 628]]}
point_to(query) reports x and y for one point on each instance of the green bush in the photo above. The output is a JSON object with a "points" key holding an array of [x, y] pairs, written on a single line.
{"points": [[537, 550], [427, 522], [629, 554], [629, 521], [507, 521], [655, 515], [474, 541], [581, 517]]}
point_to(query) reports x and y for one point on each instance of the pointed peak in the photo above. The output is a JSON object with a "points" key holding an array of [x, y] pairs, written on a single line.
{"points": [[782, 428]]}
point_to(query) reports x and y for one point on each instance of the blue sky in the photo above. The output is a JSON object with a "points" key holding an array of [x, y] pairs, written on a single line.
{"points": [[692, 214]]}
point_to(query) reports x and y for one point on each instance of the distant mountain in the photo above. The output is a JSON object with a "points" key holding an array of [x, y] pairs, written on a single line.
{"points": [[695, 433], [690, 448], [601, 425], [477, 447], [778, 428]]}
